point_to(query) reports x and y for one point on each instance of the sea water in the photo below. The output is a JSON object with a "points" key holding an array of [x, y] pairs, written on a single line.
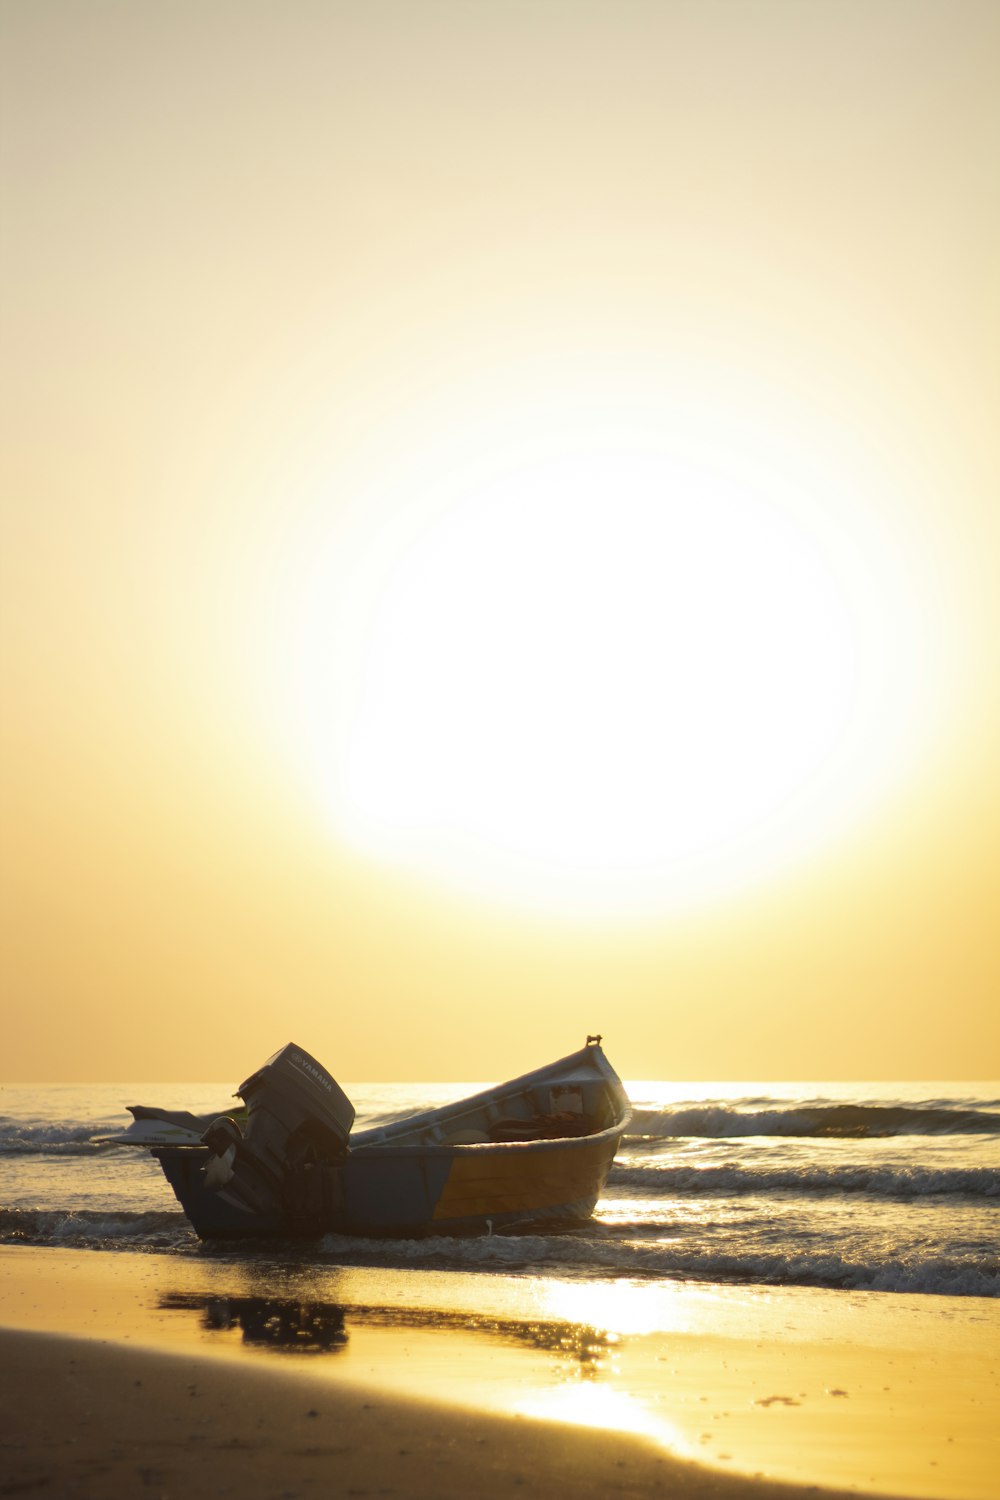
{"points": [[882, 1187]]}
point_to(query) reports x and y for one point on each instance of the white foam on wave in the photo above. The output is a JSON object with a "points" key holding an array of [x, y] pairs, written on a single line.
{"points": [[52, 1140], [655, 1179], [78, 1226], [716, 1121], [86, 1227], [678, 1261]]}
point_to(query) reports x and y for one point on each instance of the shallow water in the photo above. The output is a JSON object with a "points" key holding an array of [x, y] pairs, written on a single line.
{"points": [[876, 1186]]}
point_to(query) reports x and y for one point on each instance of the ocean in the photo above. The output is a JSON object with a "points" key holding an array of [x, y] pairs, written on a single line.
{"points": [[882, 1187]]}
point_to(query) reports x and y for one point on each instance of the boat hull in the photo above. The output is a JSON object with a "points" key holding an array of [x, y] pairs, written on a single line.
{"points": [[414, 1191]]}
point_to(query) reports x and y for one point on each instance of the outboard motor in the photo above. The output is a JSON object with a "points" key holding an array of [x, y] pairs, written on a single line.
{"points": [[285, 1164]]}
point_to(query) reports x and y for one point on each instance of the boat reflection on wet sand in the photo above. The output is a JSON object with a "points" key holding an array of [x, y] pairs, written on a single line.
{"points": [[278, 1322], [288, 1325]]}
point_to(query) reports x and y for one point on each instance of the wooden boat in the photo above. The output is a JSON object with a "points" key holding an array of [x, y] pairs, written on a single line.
{"points": [[531, 1152]]}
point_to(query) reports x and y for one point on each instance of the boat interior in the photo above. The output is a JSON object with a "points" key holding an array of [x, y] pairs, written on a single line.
{"points": [[542, 1110]]}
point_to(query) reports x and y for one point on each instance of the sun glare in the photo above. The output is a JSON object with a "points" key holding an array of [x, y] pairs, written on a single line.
{"points": [[601, 1406], [604, 665]]}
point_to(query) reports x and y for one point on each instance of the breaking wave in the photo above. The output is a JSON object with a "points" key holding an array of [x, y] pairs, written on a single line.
{"points": [[586, 1254], [20, 1139], [658, 1180], [844, 1121], [92, 1229], [623, 1251]]}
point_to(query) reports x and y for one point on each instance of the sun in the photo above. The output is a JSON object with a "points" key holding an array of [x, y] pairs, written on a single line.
{"points": [[601, 666]]}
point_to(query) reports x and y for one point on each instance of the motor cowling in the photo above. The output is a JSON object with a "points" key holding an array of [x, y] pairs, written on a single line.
{"points": [[286, 1160]]}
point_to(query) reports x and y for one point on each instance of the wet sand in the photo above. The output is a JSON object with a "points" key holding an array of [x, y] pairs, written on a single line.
{"points": [[144, 1375]]}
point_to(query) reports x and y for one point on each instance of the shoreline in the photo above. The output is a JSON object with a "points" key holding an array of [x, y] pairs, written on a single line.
{"points": [[630, 1389]]}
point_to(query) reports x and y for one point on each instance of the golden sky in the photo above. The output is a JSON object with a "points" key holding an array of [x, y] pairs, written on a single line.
{"points": [[500, 537]]}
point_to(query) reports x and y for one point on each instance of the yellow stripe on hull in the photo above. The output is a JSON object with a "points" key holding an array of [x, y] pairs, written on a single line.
{"points": [[486, 1181]]}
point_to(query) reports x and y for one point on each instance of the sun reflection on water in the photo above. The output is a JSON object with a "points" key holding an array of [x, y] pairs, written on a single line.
{"points": [[620, 1308]]}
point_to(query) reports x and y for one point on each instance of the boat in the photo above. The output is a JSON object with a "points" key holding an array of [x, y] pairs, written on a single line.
{"points": [[535, 1151]]}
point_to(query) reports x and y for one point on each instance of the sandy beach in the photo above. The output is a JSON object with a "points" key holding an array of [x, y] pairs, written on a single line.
{"points": [[89, 1419], [135, 1375]]}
